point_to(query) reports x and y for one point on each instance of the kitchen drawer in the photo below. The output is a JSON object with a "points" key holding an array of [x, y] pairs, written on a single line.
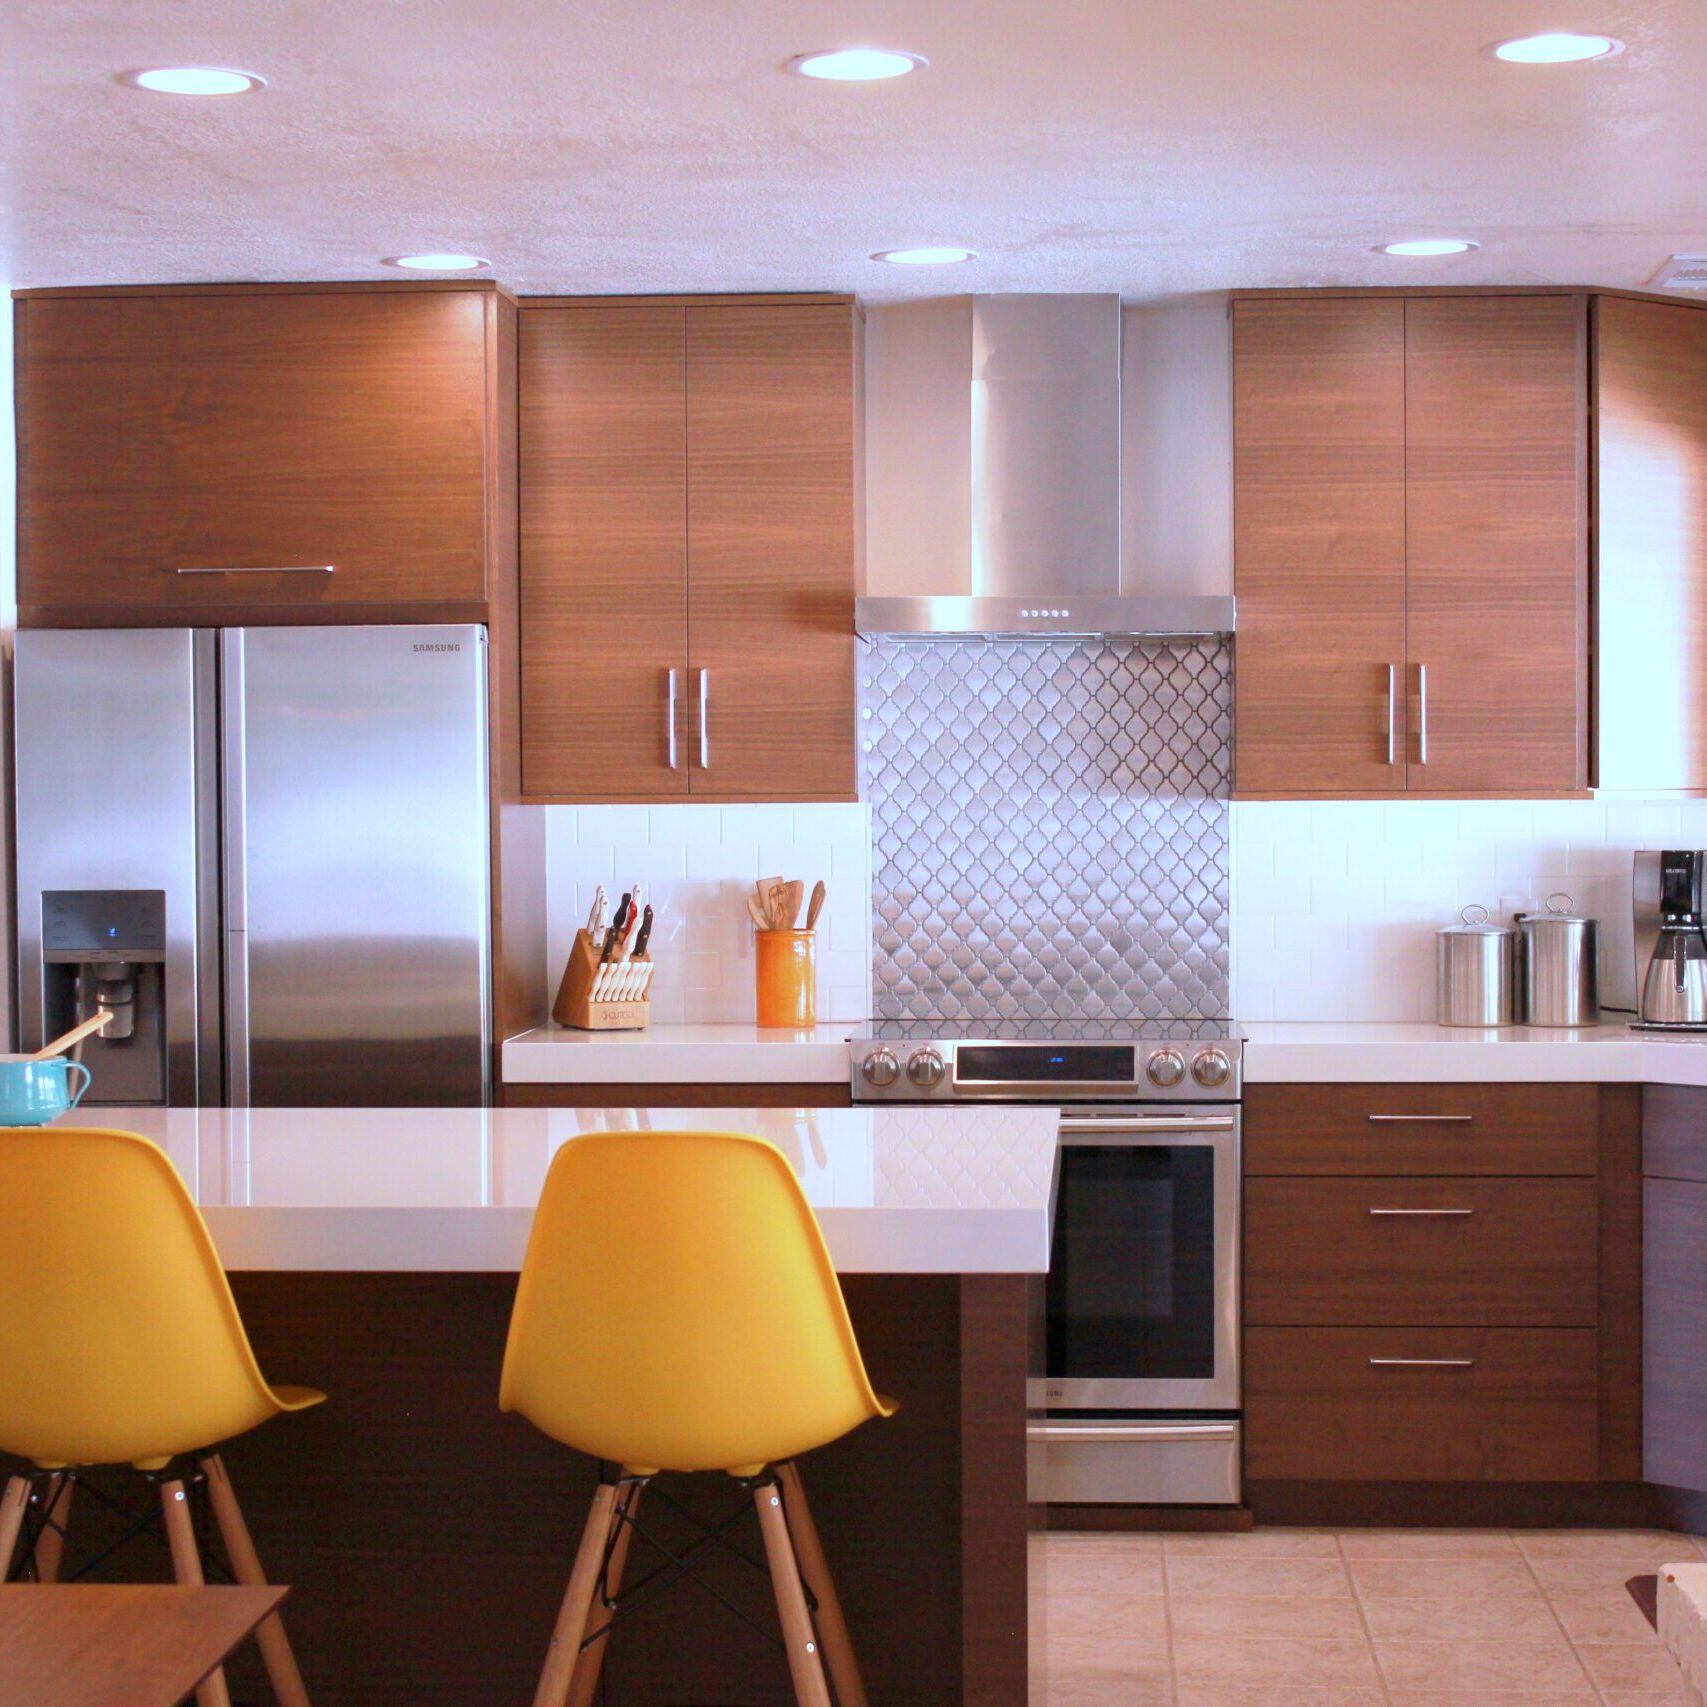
{"points": [[1419, 1252], [1478, 1404], [1421, 1129]]}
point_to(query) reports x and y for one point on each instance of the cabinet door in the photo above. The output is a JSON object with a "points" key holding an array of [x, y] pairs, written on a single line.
{"points": [[604, 552], [1319, 544], [771, 542], [1674, 1329], [266, 434], [1496, 542]]}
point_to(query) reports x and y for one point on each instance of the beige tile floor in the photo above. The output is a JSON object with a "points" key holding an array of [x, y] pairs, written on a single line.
{"points": [[1362, 1618]]}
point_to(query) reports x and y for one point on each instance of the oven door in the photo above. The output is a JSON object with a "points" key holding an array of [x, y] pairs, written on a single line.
{"points": [[1143, 1296]]}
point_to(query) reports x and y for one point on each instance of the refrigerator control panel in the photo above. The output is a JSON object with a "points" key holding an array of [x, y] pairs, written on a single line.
{"points": [[103, 924]]}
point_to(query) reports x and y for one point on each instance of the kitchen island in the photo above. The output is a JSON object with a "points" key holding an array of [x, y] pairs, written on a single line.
{"points": [[427, 1538]]}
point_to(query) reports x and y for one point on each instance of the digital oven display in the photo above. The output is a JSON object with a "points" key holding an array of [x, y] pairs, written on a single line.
{"points": [[1045, 1064]]}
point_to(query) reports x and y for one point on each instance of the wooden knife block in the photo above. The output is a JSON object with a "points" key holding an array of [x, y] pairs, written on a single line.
{"points": [[575, 1006]]}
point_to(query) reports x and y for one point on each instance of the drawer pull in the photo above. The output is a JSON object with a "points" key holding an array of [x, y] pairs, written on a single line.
{"points": [[1421, 1362], [267, 569], [1447, 1119], [1422, 1211]]}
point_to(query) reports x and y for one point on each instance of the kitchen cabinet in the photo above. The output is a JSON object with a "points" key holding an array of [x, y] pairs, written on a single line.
{"points": [[689, 503], [279, 453], [1674, 1292], [1410, 540], [1435, 1283]]}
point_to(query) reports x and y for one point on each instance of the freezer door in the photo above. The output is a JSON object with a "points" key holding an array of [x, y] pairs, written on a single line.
{"points": [[356, 856], [114, 752]]}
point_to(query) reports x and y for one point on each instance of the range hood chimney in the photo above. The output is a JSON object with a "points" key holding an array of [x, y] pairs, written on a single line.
{"points": [[1044, 397]]}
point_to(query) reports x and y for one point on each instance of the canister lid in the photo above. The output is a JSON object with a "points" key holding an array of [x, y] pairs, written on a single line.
{"points": [[1474, 926], [1558, 912]]}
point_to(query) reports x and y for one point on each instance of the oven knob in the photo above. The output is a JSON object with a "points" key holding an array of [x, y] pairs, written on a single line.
{"points": [[1165, 1068], [880, 1068], [925, 1069], [1210, 1067]]}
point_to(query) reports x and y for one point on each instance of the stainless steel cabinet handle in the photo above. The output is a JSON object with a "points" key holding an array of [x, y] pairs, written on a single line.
{"points": [[267, 569], [1139, 1125], [1392, 714], [1422, 1211], [705, 720], [670, 720], [1422, 714], [1399, 1119], [1108, 1433], [1422, 1362]]}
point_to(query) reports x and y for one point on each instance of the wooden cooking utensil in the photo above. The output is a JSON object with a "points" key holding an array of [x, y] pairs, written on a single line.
{"points": [[773, 906], [757, 914], [817, 905], [792, 896], [66, 1040]]}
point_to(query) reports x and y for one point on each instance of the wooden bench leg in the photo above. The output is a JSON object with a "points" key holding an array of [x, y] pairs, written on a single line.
{"points": [[187, 1568], [815, 1568], [586, 1681], [276, 1655], [805, 1663], [12, 1504], [50, 1544], [571, 1626]]}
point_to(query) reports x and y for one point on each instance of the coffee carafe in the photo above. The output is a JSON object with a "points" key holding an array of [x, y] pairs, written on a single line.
{"points": [[1670, 891]]}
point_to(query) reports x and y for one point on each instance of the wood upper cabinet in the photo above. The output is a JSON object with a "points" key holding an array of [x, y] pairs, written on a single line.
{"points": [[1319, 544], [1410, 539], [206, 454], [689, 509]]}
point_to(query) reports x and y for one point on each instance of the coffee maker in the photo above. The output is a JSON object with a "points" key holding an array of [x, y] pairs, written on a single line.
{"points": [[1670, 930]]}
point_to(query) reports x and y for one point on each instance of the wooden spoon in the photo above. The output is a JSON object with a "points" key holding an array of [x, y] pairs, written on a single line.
{"points": [[817, 905], [98, 1022], [792, 895]]}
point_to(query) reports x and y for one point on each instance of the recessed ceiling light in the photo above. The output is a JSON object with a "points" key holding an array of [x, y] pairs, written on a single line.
{"points": [[1427, 246], [1556, 47], [856, 64], [437, 263], [929, 256], [194, 80]]}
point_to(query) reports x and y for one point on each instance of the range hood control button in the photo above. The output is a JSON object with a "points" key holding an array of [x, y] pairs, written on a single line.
{"points": [[925, 1069], [880, 1068], [1165, 1068]]}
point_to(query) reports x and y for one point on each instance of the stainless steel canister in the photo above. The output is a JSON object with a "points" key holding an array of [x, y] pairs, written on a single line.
{"points": [[1475, 972], [1558, 966]]}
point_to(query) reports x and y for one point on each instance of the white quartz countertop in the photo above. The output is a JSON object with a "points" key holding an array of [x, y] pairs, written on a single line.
{"points": [[897, 1190], [679, 1055], [1275, 1053]]}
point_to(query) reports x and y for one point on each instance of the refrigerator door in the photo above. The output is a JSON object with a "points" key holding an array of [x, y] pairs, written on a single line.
{"points": [[114, 750], [356, 853]]}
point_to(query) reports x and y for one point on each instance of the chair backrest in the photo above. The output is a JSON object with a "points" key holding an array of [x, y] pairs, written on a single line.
{"points": [[678, 1309], [119, 1338]]}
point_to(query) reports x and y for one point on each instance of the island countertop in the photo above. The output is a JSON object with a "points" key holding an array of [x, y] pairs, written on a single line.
{"points": [[896, 1190]]}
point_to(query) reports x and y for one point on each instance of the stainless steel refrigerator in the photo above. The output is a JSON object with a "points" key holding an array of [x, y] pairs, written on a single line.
{"points": [[265, 850]]}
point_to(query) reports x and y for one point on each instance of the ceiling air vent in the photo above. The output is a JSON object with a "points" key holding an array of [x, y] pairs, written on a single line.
{"points": [[1681, 272]]}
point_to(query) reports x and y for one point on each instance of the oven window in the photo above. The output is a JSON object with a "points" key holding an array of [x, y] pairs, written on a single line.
{"points": [[1132, 1274]]}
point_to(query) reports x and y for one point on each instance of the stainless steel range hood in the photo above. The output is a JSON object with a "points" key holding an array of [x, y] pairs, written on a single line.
{"points": [[1044, 400]]}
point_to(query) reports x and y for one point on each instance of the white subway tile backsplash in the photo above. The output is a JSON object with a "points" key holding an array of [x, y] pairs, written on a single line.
{"points": [[698, 864]]}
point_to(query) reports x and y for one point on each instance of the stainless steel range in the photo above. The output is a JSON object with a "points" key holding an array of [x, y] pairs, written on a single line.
{"points": [[1142, 1389]]}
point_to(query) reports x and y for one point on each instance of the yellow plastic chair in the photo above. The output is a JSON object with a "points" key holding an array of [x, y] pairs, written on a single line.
{"points": [[678, 1310], [120, 1343]]}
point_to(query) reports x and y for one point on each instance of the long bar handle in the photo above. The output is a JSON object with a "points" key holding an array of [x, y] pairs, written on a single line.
{"points": [[1422, 1363], [1422, 714], [1138, 1125], [705, 720], [235, 807], [1108, 1433], [1433, 1119], [670, 721], [1422, 1211], [265, 569], [1392, 714]]}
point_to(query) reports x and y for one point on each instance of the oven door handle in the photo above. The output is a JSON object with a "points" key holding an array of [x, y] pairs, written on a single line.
{"points": [[1109, 1433], [1142, 1125]]}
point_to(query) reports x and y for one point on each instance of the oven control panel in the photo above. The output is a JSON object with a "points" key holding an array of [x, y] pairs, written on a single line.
{"points": [[963, 1069]]}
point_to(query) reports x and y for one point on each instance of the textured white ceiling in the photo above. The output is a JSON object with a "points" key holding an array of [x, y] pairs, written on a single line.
{"points": [[1146, 146]]}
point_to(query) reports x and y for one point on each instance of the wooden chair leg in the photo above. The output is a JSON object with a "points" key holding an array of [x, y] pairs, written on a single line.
{"points": [[571, 1626], [270, 1637], [12, 1504], [187, 1568], [586, 1681], [805, 1664], [50, 1544], [839, 1658]]}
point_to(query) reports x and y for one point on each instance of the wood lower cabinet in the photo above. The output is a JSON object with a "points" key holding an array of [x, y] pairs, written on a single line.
{"points": [[689, 504], [1674, 1287], [211, 454], [1410, 543]]}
